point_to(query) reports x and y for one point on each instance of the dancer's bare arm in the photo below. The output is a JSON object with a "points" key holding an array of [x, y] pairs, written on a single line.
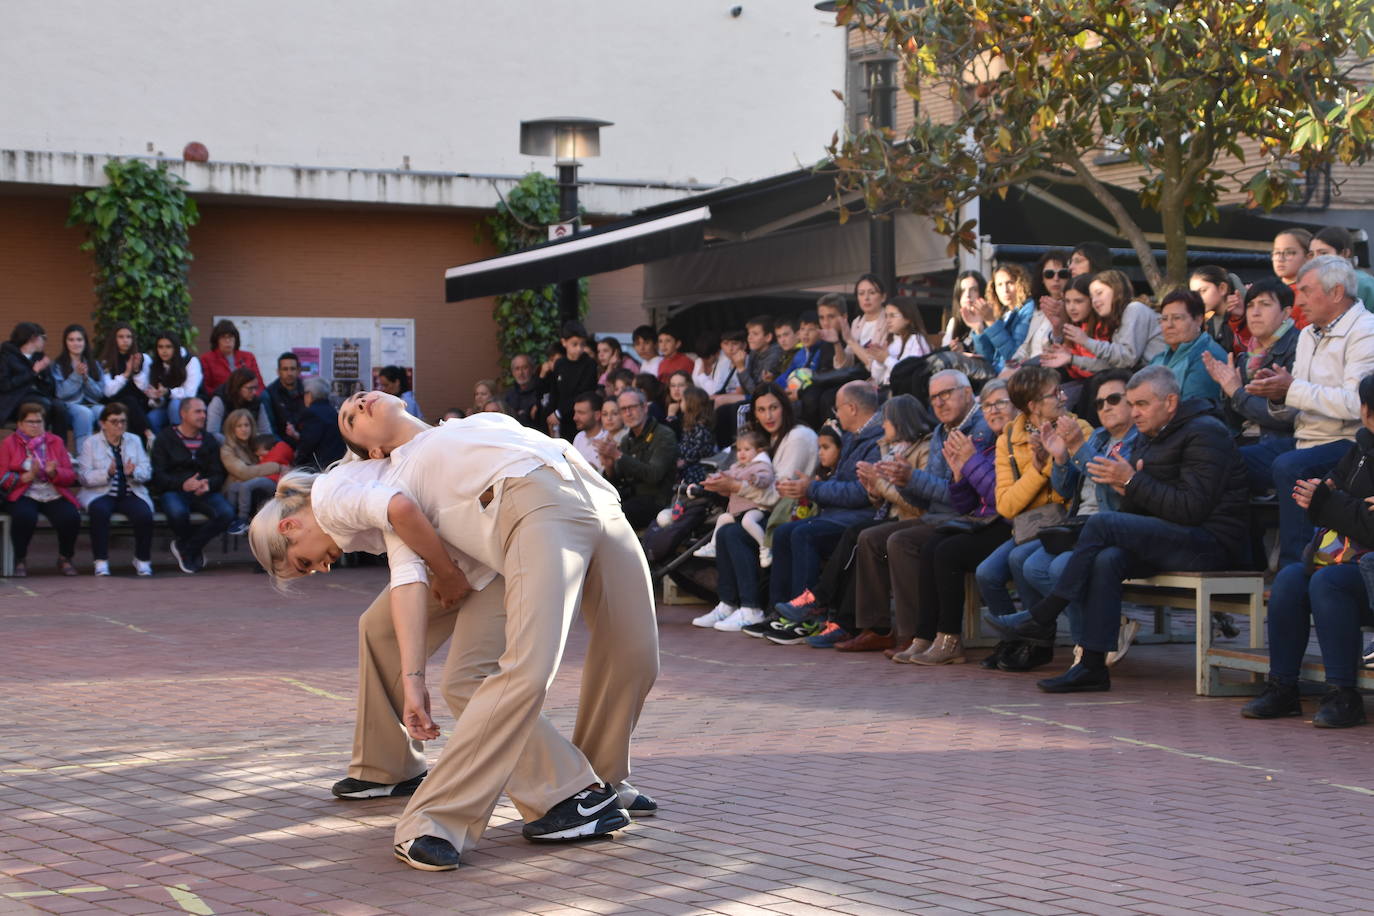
{"points": [[450, 586], [410, 617]]}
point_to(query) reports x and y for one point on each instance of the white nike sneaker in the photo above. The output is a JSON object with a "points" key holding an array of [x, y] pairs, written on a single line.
{"points": [[744, 617], [714, 616], [706, 551], [591, 812]]}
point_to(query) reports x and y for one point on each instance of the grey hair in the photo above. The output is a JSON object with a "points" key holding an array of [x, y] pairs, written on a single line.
{"points": [[1332, 271], [960, 379], [264, 531], [643, 398], [316, 387], [1161, 380], [862, 395], [997, 384]]}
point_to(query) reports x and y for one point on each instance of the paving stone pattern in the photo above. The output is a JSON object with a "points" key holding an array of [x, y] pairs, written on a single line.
{"points": [[168, 746]]}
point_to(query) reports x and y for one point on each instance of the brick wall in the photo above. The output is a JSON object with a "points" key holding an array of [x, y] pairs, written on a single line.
{"points": [[265, 260]]}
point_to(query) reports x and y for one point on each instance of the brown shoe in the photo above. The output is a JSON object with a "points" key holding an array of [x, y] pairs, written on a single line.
{"points": [[916, 647], [867, 641], [65, 567], [948, 649]]}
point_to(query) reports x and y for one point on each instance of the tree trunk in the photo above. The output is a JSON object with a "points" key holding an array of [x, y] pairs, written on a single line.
{"points": [[1129, 228]]}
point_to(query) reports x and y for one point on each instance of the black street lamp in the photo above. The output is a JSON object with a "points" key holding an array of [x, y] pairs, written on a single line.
{"points": [[567, 140]]}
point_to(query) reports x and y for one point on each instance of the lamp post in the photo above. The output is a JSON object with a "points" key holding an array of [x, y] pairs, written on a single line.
{"points": [[567, 140]]}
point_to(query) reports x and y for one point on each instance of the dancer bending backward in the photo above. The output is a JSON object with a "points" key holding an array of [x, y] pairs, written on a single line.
{"points": [[505, 501]]}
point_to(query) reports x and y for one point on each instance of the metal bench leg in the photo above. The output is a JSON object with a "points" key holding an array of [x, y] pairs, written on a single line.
{"points": [[1202, 603]]}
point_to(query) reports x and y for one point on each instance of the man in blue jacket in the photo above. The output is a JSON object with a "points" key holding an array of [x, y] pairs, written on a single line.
{"points": [[799, 548]]}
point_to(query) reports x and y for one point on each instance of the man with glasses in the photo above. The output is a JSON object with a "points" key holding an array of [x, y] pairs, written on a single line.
{"points": [[643, 465]]}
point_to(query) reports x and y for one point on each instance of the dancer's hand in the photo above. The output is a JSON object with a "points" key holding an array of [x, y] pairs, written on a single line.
{"points": [[415, 714], [450, 587]]}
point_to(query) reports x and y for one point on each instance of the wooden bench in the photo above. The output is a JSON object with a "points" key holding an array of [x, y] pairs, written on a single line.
{"points": [[1256, 661], [118, 523]]}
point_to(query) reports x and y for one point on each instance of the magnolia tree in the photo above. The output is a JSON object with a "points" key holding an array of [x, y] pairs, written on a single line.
{"points": [[1205, 96]]}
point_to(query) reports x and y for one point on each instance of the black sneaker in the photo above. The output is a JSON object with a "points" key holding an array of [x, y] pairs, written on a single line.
{"points": [[762, 628], [634, 802], [1342, 707], [1022, 656], [1078, 679], [591, 812], [351, 789], [427, 853], [1274, 702], [795, 634]]}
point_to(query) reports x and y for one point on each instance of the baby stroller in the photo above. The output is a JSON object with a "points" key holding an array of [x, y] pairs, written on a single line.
{"points": [[690, 523]]}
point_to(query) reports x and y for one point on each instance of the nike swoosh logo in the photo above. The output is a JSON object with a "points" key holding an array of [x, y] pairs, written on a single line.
{"points": [[595, 808]]}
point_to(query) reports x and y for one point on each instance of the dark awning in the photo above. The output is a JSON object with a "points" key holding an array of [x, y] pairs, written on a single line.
{"points": [[620, 244]]}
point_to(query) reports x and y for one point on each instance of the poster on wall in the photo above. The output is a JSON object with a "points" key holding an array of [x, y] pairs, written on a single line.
{"points": [[346, 363], [309, 358]]}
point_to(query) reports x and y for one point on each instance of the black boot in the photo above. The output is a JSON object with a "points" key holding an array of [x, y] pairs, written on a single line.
{"points": [[1036, 633], [1078, 679], [1342, 707], [998, 653], [1024, 656], [1274, 702]]}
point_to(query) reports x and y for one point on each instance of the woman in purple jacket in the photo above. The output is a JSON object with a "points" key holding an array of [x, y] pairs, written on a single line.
{"points": [[958, 547]]}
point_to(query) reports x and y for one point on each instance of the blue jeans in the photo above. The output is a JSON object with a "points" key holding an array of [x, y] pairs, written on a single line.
{"points": [[133, 508], [82, 420], [158, 417], [178, 506], [799, 548], [1116, 546], [1334, 600], [1286, 468], [1000, 567], [737, 567], [1038, 575]]}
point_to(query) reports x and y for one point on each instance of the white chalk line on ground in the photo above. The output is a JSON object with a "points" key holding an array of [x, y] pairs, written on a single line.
{"points": [[181, 894]]}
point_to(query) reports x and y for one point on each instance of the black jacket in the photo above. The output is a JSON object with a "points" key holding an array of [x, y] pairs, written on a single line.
{"points": [[1193, 475], [1243, 406], [525, 404], [174, 463], [569, 379], [320, 444], [284, 407], [18, 381], [1342, 507]]}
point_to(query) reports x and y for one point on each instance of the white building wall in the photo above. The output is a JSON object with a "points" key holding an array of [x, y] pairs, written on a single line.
{"points": [[697, 95]]}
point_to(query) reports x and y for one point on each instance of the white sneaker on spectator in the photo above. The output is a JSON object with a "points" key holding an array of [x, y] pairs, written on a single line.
{"points": [[1124, 637], [102, 567], [765, 557], [743, 617], [143, 567], [714, 616], [1077, 654], [706, 551]]}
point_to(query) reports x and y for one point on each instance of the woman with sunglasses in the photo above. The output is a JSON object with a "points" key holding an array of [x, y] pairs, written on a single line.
{"points": [[1049, 282]]}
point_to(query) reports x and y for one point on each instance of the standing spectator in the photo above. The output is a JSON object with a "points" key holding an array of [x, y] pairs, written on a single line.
{"points": [[173, 376], [223, 357], [697, 440], [564, 378], [285, 399], [187, 471], [394, 381], [320, 443], [1326, 589], [1337, 241], [1273, 343], [114, 470], [643, 466], [126, 375], [671, 357], [37, 477], [79, 382], [1184, 506], [246, 479], [1320, 395], [645, 341], [1181, 316], [522, 399], [24, 376], [1292, 249], [610, 357], [241, 391], [587, 419]]}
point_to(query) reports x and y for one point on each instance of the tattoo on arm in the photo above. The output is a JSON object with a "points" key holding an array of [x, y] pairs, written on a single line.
{"points": [[415, 673]]}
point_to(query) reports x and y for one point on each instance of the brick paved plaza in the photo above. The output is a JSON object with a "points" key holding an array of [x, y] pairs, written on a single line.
{"points": [[169, 746]]}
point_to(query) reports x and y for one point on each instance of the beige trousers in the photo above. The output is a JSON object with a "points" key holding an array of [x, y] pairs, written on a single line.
{"points": [[567, 544]]}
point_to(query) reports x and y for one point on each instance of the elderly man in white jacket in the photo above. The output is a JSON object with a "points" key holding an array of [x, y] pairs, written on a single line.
{"points": [[1320, 396]]}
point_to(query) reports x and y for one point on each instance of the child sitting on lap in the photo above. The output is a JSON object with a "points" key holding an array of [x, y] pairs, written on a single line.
{"points": [[754, 467]]}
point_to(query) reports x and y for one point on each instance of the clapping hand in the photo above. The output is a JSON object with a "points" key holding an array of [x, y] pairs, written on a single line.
{"points": [[958, 450], [1113, 470], [868, 475], [1224, 374], [899, 472], [1071, 432], [794, 488], [1053, 441], [977, 314], [1271, 384], [1039, 454]]}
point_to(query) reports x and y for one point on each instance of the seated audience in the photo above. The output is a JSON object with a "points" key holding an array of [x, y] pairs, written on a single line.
{"points": [[587, 419], [78, 382], [1181, 316], [1126, 335], [1325, 591], [247, 480], [320, 443], [394, 381], [644, 339], [970, 295], [678, 383], [25, 377], [285, 398], [609, 357], [620, 380], [811, 354], [240, 392], [223, 357], [271, 450], [1337, 241], [485, 391], [655, 396], [126, 375], [1320, 396], [36, 477], [697, 440], [173, 376], [1049, 281], [1225, 307], [712, 370], [754, 467], [1292, 250], [671, 358], [1002, 322], [642, 466], [189, 475], [905, 337], [858, 342], [612, 427], [1184, 507], [114, 470], [523, 399]]}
